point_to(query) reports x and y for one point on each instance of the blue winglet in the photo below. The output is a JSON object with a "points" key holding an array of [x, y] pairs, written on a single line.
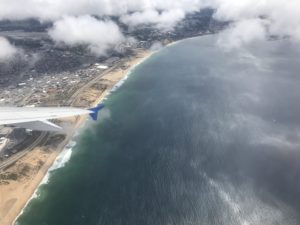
{"points": [[95, 110]]}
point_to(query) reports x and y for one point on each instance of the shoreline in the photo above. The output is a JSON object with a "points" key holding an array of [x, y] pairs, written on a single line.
{"points": [[17, 194]]}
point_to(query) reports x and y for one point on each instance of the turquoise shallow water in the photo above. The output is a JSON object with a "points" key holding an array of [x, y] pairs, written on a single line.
{"points": [[196, 135]]}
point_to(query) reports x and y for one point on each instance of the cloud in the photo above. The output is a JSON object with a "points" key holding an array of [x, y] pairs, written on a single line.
{"points": [[99, 36], [242, 33], [55, 9], [156, 46], [49, 9], [279, 18], [165, 20], [7, 50]]}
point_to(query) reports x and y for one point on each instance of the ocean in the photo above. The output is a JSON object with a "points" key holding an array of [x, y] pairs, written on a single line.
{"points": [[195, 135]]}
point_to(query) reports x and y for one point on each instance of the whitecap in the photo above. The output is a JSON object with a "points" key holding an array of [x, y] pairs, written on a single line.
{"points": [[60, 162]]}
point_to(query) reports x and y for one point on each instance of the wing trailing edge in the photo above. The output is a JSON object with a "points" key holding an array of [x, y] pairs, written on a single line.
{"points": [[42, 125]]}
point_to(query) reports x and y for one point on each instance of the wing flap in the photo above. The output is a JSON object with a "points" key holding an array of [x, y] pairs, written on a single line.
{"points": [[42, 125]]}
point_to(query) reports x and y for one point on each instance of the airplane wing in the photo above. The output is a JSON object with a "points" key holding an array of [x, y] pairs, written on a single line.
{"points": [[42, 125], [37, 118]]}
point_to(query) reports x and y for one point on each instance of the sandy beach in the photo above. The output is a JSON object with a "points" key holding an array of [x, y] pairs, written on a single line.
{"points": [[28, 172]]}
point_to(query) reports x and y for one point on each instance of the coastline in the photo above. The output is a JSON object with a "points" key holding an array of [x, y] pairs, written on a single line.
{"points": [[18, 193]]}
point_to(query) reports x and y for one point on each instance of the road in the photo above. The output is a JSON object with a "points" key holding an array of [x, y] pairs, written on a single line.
{"points": [[88, 84], [43, 137]]}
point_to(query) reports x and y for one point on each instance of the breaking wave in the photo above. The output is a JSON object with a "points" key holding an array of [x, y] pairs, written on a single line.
{"points": [[60, 162], [122, 81], [63, 157]]}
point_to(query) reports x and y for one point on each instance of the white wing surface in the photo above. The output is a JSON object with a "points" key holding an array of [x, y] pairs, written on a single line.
{"points": [[37, 118]]}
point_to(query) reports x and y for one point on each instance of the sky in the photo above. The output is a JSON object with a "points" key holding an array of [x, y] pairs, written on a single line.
{"points": [[252, 20]]}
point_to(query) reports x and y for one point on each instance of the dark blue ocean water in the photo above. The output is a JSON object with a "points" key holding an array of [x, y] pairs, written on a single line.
{"points": [[195, 136]]}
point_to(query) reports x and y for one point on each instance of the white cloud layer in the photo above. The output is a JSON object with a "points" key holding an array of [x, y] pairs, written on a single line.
{"points": [[98, 35], [253, 19], [241, 33], [257, 18], [147, 10], [55, 9], [165, 20], [7, 50]]}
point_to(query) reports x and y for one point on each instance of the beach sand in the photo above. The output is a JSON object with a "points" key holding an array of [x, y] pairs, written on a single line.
{"points": [[32, 168]]}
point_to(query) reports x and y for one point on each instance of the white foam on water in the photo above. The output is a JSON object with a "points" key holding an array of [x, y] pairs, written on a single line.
{"points": [[64, 157], [60, 162], [121, 82]]}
